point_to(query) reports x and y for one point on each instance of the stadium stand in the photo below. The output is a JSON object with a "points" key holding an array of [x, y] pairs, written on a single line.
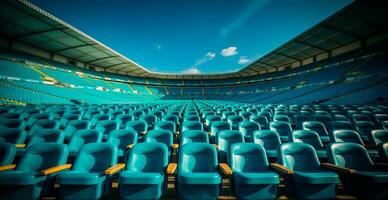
{"points": [[307, 121]]}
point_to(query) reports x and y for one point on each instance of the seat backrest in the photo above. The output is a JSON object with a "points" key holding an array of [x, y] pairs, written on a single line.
{"points": [[95, 157], [349, 155], [197, 157], [122, 137], [235, 119], [161, 136], [171, 117], [74, 125], [281, 127], [347, 136], [43, 124], [7, 153], [316, 126], [12, 135], [137, 125], [309, 137], [194, 136], [270, 140], [365, 127], [192, 118], [212, 118], [298, 157], [379, 136], [137, 113], [166, 125], [12, 123], [248, 127], [341, 125], [191, 125], [248, 157], [106, 126], [148, 157], [46, 135], [283, 118], [217, 126], [225, 138], [84, 136], [149, 118], [124, 118], [42, 156]]}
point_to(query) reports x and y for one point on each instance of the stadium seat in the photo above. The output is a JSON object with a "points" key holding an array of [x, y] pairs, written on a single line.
{"points": [[319, 128], [262, 120], [12, 135], [359, 175], [34, 175], [379, 136], [45, 136], [98, 117], [246, 115], [191, 118], [382, 148], [224, 140], [160, 136], [122, 119], [281, 118], [121, 138], [106, 126], [166, 125], [312, 138], [140, 126], [270, 140], [212, 118], [191, 125], [341, 125], [144, 175], [171, 117], [36, 116], [253, 179], [7, 154], [234, 120], [75, 125], [217, 126], [82, 137], [194, 136], [150, 120], [91, 172], [42, 124], [66, 118], [299, 164], [283, 129], [198, 176], [364, 128], [12, 123], [247, 128]]}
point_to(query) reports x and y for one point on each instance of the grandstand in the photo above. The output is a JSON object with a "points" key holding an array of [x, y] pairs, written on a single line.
{"points": [[308, 120]]}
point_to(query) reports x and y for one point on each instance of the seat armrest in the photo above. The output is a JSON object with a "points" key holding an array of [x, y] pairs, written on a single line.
{"points": [[338, 168], [130, 146], [381, 166], [114, 169], [20, 145], [7, 167], [175, 146], [171, 168], [143, 132], [281, 168], [225, 169], [55, 169], [215, 146]]}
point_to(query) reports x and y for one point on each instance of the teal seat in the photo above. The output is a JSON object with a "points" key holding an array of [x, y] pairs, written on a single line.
{"points": [[211, 118], [225, 114], [144, 175], [158, 114], [234, 120], [98, 117], [382, 148], [252, 177], [28, 181], [160, 136], [75, 125], [66, 118], [12, 123], [12, 135], [46, 135], [43, 124], [379, 136], [194, 136], [270, 140], [306, 176], [150, 120], [266, 113], [121, 138], [247, 128], [341, 125], [122, 119], [166, 125], [262, 120], [7, 153], [299, 119], [361, 177], [140, 126], [283, 129], [198, 176], [32, 118], [106, 126], [172, 118], [11, 115], [192, 118], [191, 125], [87, 178], [136, 114], [217, 126], [365, 128], [246, 115], [319, 128], [281, 118], [312, 138], [224, 140], [82, 137], [88, 114]]}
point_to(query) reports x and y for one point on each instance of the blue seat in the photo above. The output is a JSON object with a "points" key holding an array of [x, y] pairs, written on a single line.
{"points": [[262, 120], [234, 120], [247, 128], [74, 125], [11, 115], [253, 179], [212, 118], [106, 126], [66, 118], [43, 124], [158, 114], [283, 129], [312, 138], [194, 136], [224, 140], [122, 119], [198, 176], [140, 126], [246, 115], [90, 173], [225, 114], [172, 117], [161, 136], [46, 135], [191, 125], [136, 114], [7, 153], [32, 177], [319, 128], [150, 120], [121, 139], [12, 135], [98, 117], [303, 173], [144, 175], [379, 136], [270, 140], [281, 118], [166, 125], [359, 175], [382, 148], [217, 126], [82, 137]]}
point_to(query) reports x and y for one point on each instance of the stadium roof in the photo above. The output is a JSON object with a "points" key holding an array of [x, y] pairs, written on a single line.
{"points": [[24, 22]]}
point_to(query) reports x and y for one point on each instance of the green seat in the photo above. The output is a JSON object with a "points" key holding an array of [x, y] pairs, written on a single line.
{"points": [[160, 136]]}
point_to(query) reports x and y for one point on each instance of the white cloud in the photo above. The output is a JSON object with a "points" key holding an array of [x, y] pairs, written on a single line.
{"points": [[244, 60], [192, 70], [211, 55], [230, 51]]}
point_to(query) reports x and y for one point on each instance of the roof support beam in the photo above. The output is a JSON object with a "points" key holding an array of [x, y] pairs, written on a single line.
{"points": [[311, 45], [103, 58], [73, 47], [38, 32], [287, 56], [114, 65], [340, 31]]}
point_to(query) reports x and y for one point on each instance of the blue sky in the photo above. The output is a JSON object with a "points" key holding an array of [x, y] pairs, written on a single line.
{"points": [[192, 36]]}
